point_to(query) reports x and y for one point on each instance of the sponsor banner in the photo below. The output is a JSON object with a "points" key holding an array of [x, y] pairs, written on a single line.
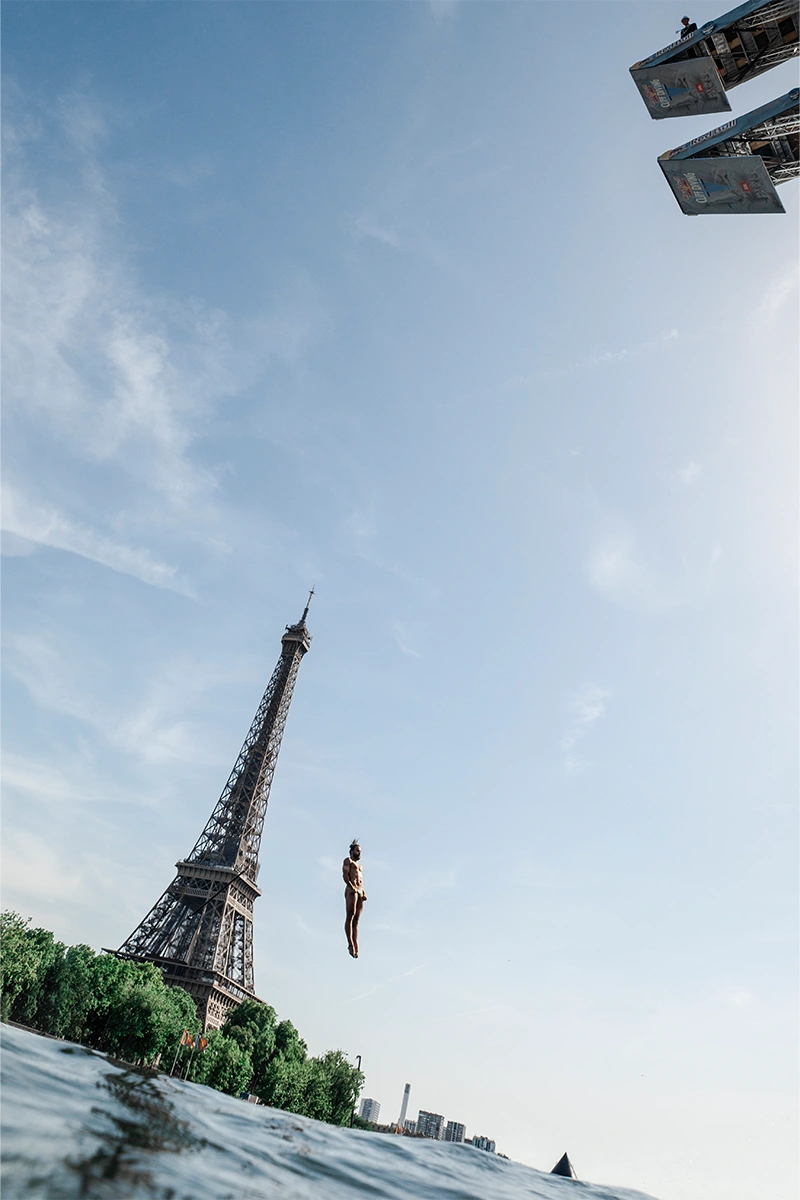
{"points": [[681, 89], [722, 185]]}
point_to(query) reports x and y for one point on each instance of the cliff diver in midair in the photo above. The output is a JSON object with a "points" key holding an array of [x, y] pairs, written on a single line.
{"points": [[354, 896]]}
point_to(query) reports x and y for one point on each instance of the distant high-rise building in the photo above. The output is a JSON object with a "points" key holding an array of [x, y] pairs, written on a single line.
{"points": [[484, 1143], [409, 1125], [430, 1125], [370, 1110], [454, 1132], [404, 1107]]}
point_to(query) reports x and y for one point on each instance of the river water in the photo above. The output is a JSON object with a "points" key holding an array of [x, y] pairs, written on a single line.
{"points": [[76, 1124]]}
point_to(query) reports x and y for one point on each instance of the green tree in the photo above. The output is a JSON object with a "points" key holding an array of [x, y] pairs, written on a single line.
{"points": [[28, 955], [182, 1015], [287, 1074], [284, 1084], [18, 966], [68, 998], [253, 1026], [223, 1065], [342, 1082], [316, 1100], [145, 1017], [288, 1043], [108, 976]]}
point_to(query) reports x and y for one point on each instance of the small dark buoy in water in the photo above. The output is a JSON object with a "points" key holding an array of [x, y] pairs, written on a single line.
{"points": [[564, 1167]]}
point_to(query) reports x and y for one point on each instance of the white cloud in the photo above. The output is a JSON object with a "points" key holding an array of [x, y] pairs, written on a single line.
{"points": [[443, 10], [587, 707], [31, 868], [367, 225], [613, 568], [618, 572], [648, 580], [362, 525], [46, 783], [402, 640], [153, 729], [110, 392], [692, 471], [780, 292], [606, 358], [738, 997], [385, 982], [48, 527]]}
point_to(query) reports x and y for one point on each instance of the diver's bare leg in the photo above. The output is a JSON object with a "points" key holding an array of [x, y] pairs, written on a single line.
{"points": [[356, 918], [350, 920]]}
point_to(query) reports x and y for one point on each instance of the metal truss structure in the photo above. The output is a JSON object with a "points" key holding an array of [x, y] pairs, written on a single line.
{"points": [[776, 140], [200, 932], [756, 42], [738, 46]]}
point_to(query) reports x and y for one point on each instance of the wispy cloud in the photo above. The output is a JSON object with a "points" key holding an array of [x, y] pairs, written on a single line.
{"points": [[496, 1009], [47, 784], [443, 10], [643, 577], [48, 527], [32, 868], [688, 474], [600, 358], [587, 707], [401, 641], [152, 729], [620, 573], [114, 390], [780, 292], [368, 225], [361, 532], [615, 571], [385, 983]]}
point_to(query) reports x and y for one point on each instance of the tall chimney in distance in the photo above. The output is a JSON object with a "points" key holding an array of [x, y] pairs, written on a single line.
{"points": [[406, 1093]]}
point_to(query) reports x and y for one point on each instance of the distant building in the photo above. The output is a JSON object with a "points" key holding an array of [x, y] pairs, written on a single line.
{"points": [[370, 1110], [454, 1132], [409, 1125], [484, 1143], [430, 1125]]}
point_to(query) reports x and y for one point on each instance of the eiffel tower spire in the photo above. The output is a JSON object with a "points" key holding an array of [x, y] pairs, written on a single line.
{"points": [[200, 932]]}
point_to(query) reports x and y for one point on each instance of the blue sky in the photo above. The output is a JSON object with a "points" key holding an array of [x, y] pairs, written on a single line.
{"points": [[392, 300]]}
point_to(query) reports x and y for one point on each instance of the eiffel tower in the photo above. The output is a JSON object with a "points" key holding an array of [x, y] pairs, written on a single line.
{"points": [[200, 933]]}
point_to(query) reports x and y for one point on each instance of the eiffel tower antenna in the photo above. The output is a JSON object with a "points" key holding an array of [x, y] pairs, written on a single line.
{"points": [[200, 933]]}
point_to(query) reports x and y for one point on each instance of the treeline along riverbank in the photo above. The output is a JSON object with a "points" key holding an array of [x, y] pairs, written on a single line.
{"points": [[126, 1010]]}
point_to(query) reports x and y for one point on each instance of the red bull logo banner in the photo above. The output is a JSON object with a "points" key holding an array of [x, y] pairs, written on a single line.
{"points": [[708, 186], [681, 89]]}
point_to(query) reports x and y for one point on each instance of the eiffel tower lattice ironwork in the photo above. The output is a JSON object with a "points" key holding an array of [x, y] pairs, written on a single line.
{"points": [[200, 932]]}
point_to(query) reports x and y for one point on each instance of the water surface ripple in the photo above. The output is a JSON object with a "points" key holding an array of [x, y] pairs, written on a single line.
{"points": [[76, 1124]]}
